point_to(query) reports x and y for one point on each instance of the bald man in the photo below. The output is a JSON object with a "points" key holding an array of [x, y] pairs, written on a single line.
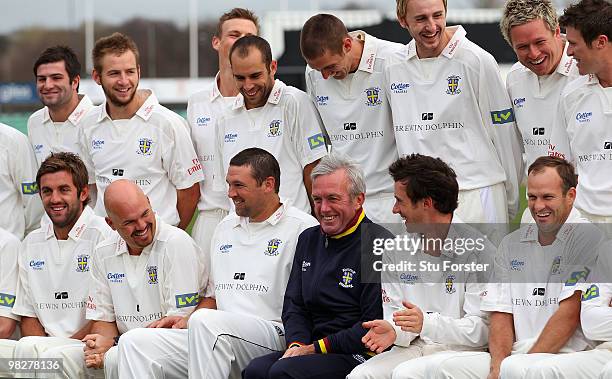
{"points": [[138, 278]]}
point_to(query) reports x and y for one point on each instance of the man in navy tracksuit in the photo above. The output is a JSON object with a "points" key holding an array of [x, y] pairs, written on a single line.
{"points": [[328, 296]]}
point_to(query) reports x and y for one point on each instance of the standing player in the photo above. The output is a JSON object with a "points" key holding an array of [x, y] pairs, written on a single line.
{"points": [[585, 110], [448, 101], [55, 260], [251, 257], [534, 295], [20, 207], [427, 313], [329, 294], [353, 108], [146, 271], [268, 114], [131, 136], [204, 109], [9, 251], [54, 128]]}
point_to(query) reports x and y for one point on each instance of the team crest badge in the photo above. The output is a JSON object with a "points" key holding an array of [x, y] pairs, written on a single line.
{"points": [[450, 284], [82, 263], [152, 274], [273, 246], [347, 278], [275, 128], [373, 96], [556, 266], [144, 146], [453, 85]]}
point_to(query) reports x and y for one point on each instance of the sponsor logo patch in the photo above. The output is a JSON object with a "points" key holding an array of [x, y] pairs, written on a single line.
{"points": [[502, 117]]}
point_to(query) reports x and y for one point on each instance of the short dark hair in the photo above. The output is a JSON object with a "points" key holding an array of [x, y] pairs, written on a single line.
{"points": [[563, 168], [424, 177], [69, 162], [590, 17], [244, 44], [262, 163], [57, 54], [237, 13], [116, 43], [321, 33]]}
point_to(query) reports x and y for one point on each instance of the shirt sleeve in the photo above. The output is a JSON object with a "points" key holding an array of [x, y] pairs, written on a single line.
{"points": [[596, 313], [24, 303], [99, 302], [498, 118], [498, 293], [307, 130], [179, 158], [9, 273], [184, 275], [24, 170]]}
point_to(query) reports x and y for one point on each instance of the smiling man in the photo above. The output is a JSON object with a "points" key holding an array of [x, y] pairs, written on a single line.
{"points": [[448, 100], [54, 127], [131, 136], [273, 116], [251, 257], [535, 82], [586, 105], [55, 262]]}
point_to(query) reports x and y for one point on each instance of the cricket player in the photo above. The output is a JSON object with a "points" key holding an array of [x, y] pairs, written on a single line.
{"points": [[268, 114], [146, 271], [20, 206], [55, 262], [535, 293], [204, 109], [587, 102], [448, 101], [54, 128], [429, 311], [251, 256], [329, 294], [9, 251], [131, 136], [344, 78]]}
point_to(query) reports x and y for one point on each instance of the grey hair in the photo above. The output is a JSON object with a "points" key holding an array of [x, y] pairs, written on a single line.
{"points": [[333, 162], [519, 12]]}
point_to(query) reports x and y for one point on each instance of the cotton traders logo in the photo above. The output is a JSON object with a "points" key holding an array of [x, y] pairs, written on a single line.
{"points": [[453, 85], [152, 274], [346, 279], [115, 277], [517, 265], [97, 144], [275, 128], [373, 96], [583, 117], [144, 146], [400, 87], [37, 265], [322, 100], [519, 102], [273, 246], [224, 249], [202, 120], [82, 263], [450, 284]]}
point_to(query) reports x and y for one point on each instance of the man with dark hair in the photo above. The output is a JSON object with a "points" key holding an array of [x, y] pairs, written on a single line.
{"points": [[352, 104], [131, 136], [535, 291], [448, 100], [204, 108], [251, 255], [535, 82], [268, 114], [20, 207], [329, 293], [55, 127], [54, 264], [588, 102], [428, 313]]}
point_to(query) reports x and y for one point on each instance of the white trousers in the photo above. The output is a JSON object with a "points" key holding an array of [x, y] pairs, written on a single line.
{"points": [[383, 365], [217, 345], [379, 209], [73, 357], [487, 208], [222, 344], [204, 227], [602, 222]]}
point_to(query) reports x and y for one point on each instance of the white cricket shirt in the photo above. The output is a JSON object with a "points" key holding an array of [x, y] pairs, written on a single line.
{"points": [[357, 115], [153, 149], [9, 251]]}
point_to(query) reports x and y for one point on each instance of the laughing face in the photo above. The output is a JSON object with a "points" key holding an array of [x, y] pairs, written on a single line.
{"points": [[62, 201], [426, 22], [254, 80], [54, 86], [119, 78], [135, 223], [537, 47]]}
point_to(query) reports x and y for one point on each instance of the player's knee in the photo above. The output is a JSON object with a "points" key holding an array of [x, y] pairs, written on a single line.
{"points": [[281, 369], [206, 319], [135, 338], [363, 371], [511, 368], [255, 370]]}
